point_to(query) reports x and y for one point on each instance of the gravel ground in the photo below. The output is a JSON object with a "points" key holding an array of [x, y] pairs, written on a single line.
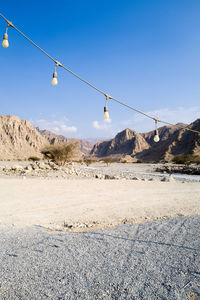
{"points": [[157, 260], [124, 171]]}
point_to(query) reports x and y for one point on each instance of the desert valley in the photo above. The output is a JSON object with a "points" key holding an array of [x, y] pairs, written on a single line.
{"points": [[100, 150]]}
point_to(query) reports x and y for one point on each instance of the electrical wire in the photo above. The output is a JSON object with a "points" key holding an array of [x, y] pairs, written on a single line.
{"points": [[10, 24]]}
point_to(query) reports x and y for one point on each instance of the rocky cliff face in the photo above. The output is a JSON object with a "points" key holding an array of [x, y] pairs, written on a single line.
{"points": [[19, 139], [84, 146], [174, 140], [187, 141], [127, 142], [165, 132]]}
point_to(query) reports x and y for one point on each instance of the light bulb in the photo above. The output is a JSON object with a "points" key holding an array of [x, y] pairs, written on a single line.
{"points": [[5, 42], [54, 80], [156, 137], [106, 114]]}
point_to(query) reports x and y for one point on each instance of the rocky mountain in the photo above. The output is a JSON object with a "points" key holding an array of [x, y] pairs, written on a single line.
{"points": [[174, 140], [165, 132], [126, 142], [179, 141], [84, 146], [19, 139]]}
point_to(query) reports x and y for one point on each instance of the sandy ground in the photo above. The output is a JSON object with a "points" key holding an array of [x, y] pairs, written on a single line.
{"points": [[51, 203]]}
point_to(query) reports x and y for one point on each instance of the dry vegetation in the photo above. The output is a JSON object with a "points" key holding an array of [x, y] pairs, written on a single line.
{"points": [[61, 154], [34, 158], [187, 159]]}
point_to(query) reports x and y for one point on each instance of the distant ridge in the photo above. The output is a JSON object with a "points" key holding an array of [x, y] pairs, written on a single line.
{"points": [[19, 139], [84, 146], [127, 142], [174, 140]]}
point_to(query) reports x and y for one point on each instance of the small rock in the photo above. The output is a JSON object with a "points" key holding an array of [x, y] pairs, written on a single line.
{"points": [[99, 176], [28, 168], [135, 178], [82, 225], [16, 168], [42, 165], [167, 179], [109, 177]]}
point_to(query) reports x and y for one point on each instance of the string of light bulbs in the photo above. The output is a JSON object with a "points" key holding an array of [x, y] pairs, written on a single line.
{"points": [[54, 82]]}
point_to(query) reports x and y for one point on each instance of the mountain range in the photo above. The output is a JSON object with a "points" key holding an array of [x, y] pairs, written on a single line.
{"points": [[174, 140], [84, 145], [19, 139]]}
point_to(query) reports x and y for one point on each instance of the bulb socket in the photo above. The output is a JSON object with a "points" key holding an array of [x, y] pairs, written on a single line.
{"points": [[105, 109], [156, 132], [5, 36], [55, 75]]}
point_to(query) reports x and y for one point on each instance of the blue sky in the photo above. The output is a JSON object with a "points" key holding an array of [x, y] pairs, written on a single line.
{"points": [[145, 53]]}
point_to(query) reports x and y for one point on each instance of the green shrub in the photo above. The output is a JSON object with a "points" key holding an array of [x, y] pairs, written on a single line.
{"points": [[61, 154], [123, 161], [34, 158], [108, 160], [186, 159], [88, 161]]}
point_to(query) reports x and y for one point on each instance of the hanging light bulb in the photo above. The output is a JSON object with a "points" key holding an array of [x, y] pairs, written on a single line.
{"points": [[5, 42], [156, 136], [54, 81], [106, 114]]}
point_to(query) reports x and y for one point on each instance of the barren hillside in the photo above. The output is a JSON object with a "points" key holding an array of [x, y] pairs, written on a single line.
{"points": [[126, 142], [19, 139], [174, 140], [84, 146], [179, 141]]}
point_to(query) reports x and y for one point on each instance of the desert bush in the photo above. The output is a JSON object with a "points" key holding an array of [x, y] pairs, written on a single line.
{"points": [[80, 161], [61, 154], [186, 159], [108, 160], [123, 161], [34, 158], [88, 161]]}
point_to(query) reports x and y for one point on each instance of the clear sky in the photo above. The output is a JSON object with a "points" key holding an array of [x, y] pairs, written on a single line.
{"points": [[144, 52]]}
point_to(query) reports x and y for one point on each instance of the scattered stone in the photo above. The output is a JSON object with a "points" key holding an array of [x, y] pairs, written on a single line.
{"points": [[135, 178], [109, 177], [164, 179], [181, 169], [16, 168], [99, 176], [28, 168], [82, 225], [167, 179]]}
